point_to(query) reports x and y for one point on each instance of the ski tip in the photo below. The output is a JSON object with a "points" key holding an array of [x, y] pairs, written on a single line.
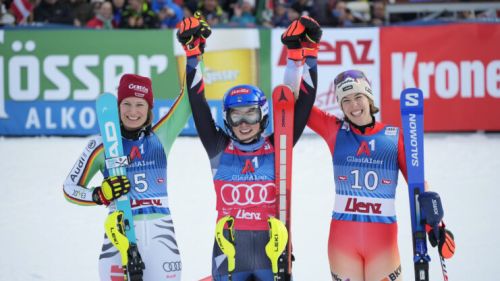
{"points": [[411, 98], [282, 93]]}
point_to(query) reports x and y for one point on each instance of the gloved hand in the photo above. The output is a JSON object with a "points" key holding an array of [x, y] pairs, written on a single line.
{"points": [[443, 238], [192, 34], [302, 33], [432, 215], [110, 189], [291, 38], [312, 36]]}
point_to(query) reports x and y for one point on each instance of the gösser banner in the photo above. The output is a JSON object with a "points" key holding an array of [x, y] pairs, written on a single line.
{"points": [[457, 66], [49, 79]]}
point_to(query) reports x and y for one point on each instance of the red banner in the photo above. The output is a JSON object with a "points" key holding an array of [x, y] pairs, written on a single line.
{"points": [[457, 66]]}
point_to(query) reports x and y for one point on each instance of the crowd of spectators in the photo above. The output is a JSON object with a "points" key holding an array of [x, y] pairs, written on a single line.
{"points": [[146, 14]]}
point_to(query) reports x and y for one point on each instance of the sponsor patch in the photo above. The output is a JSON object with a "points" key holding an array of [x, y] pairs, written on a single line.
{"points": [[391, 131]]}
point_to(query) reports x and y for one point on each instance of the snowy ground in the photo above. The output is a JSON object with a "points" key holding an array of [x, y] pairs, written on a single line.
{"points": [[43, 237]]}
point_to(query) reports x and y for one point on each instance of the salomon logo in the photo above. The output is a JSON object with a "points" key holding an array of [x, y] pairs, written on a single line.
{"points": [[411, 99], [413, 140]]}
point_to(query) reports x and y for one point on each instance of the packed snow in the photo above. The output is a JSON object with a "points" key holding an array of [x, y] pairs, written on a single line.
{"points": [[44, 237]]}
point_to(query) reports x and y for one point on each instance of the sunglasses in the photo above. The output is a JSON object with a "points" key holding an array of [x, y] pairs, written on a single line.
{"points": [[249, 115]]}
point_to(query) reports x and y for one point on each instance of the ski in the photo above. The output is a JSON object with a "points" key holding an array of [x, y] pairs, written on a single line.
{"points": [[283, 111], [412, 116], [119, 225]]}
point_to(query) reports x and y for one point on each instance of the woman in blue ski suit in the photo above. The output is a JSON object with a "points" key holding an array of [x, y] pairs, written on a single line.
{"points": [[242, 158]]}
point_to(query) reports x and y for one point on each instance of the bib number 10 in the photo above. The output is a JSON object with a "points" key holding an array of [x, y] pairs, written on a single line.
{"points": [[370, 180]]}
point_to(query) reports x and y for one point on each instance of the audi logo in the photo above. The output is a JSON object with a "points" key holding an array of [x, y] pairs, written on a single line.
{"points": [[172, 266], [243, 194]]}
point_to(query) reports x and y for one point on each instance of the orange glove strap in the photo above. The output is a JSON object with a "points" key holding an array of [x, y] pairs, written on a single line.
{"points": [[295, 54]]}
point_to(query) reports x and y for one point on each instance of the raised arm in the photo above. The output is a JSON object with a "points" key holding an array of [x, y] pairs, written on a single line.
{"points": [[171, 125], [192, 34], [301, 74]]}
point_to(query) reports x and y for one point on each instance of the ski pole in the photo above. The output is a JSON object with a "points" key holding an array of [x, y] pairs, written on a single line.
{"points": [[278, 239], [115, 230], [225, 245]]}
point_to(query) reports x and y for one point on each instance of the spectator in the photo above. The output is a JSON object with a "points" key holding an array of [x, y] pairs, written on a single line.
{"points": [[377, 12], [281, 15], [244, 14], [54, 11], [82, 11], [213, 12], [304, 8], [169, 13], [340, 15], [293, 14], [103, 18], [118, 9], [139, 16], [5, 17], [187, 12]]}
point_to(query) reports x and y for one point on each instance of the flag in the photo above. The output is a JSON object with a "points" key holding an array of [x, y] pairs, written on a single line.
{"points": [[21, 9]]}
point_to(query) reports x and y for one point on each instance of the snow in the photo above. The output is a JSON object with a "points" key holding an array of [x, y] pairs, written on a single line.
{"points": [[44, 237]]}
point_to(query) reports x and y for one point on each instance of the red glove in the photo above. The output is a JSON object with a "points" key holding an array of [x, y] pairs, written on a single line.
{"points": [[192, 34], [312, 36], [302, 37], [291, 38], [443, 238]]}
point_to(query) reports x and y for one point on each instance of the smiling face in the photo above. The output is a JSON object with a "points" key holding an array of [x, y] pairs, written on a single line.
{"points": [[356, 108], [133, 113], [245, 123]]}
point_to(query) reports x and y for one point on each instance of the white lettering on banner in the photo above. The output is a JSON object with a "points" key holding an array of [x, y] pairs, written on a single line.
{"points": [[86, 118], [66, 120], [160, 62], [89, 122], [465, 79], [24, 75], [32, 121], [213, 76], [51, 69], [32, 67], [112, 75], [81, 65], [48, 119]]}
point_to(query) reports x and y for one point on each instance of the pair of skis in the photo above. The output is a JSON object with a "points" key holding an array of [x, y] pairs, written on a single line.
{"points": [[119, 225], [412, 116], [279, 247]]}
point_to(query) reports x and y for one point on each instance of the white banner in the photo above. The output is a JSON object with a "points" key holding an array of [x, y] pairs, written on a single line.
{"points": [[340, 50]]}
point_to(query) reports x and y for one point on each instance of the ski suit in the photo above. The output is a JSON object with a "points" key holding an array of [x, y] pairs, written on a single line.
{"points": [[148, 195], [240, 170], [363, 232]]}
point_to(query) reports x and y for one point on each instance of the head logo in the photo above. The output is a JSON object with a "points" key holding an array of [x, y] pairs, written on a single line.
{"points": [[239, 91]]}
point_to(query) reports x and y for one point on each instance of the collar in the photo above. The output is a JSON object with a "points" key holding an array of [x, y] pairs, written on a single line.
{"points": [[251, 146]]}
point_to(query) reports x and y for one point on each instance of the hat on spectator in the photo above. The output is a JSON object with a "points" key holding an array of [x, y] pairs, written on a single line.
{"points": [[132, 85]]}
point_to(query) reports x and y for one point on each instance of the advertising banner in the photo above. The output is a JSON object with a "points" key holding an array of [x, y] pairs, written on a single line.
{"points": [[457, 66], [339, 50], [49, 79]]}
